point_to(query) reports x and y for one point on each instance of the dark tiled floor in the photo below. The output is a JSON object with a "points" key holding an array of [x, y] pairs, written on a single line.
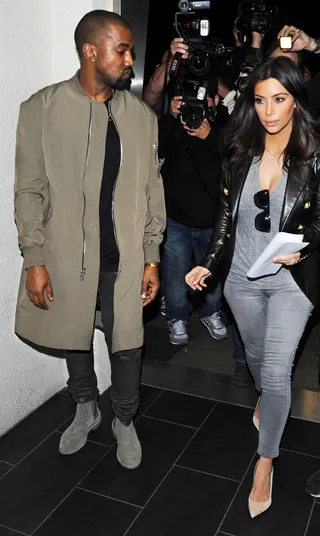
{"points": [[199, 450]]}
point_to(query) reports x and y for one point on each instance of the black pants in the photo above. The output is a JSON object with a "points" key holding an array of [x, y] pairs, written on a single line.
{"points": [[125, 365]]}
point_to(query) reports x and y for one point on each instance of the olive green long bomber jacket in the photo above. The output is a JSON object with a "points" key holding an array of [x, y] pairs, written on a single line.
{"points": [[60, 151]]}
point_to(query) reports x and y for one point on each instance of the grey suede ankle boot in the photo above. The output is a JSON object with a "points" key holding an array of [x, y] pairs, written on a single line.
{"points": [[129, 449], [88, 417]]}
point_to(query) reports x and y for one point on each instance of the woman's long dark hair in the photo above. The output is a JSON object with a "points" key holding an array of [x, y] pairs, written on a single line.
{"points": [[246, 135]]}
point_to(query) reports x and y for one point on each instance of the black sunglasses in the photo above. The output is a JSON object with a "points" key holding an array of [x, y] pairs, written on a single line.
{"points": [[262, 220]]}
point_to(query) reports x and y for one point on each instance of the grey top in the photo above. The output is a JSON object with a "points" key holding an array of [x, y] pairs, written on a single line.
{"points": [[249, 242]]}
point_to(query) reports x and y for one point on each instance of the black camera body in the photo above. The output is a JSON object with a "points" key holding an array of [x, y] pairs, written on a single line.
{"points": [[195, 104], [246, 69], [254, 16], [192, 23], [192, 5], [188, 76]]}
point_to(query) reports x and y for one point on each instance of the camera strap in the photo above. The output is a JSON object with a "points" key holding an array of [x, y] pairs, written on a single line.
{"points": [[203, 182], [164, 89]]}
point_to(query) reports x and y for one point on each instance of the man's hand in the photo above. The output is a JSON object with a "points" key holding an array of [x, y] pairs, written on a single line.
{"points": [[300, 40], [256, 39], [236, 34], [201, 132], [150, 284], [178, 46], [175, 105], [38, 281]]}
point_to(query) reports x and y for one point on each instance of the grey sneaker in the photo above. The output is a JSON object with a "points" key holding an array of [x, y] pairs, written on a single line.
{"points": [[215, 326], [178, 331], [129, 452], [88, 417]]}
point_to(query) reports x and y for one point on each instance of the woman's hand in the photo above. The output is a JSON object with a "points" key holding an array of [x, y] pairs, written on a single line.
{"points": [[195, 279], [288, 260]]}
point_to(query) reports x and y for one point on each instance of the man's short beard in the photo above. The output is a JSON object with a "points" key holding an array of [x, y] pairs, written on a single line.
{"points": [[122, 83], [117, 83]]}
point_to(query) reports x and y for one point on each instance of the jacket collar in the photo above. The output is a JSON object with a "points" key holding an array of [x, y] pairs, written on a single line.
{"points": [[77, 87], [238, 180]]}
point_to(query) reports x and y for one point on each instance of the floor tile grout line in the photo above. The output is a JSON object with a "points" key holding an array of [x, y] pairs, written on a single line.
{"points": [[171, 422], [34, 448], [166, 475], [206, 473], [234, 403], [235, 494], [181, 392], [150, 405], [228, 402], [108, 497], [14, 530], [203, 397], [310, 515], [225, 533], [68, 494], [7, 463], [300, 453]]}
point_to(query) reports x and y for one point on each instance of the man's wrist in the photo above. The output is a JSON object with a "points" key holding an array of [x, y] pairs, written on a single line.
{"points": [[152, 264], [314, 46]]}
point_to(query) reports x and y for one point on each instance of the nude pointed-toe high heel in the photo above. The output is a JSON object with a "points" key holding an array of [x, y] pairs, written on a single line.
{"points": [[255, 420], [256, 508]]}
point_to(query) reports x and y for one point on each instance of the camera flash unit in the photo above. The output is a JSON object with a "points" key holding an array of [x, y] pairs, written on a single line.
{"points": [[286, 43]]}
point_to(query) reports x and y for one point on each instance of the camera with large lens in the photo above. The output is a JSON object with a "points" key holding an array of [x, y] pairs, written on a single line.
{"points": [[246, 69], [189, 77], [254, 16], [192, 23], [195, 104]]}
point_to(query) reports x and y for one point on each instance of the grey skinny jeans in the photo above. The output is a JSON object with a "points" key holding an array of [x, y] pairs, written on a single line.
{"points": [[271, 323]]}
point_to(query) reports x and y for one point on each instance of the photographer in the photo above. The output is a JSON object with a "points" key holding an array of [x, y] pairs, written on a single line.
{"points": [[153, 91], [191, 174], [301, 42]]}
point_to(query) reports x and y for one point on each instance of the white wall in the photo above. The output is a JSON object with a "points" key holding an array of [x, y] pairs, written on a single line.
{"points": [[36, 49]]}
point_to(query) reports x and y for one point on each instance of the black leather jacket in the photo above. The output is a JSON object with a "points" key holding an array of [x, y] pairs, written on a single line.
{"points": [[300, 215]]}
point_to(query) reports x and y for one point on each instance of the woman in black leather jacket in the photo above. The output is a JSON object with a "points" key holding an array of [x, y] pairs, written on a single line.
{"points": [[270, 184]]}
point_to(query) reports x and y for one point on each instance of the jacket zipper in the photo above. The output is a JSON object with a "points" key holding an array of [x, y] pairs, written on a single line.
{"points": [[83, 268], [156, 158], [115, 182]]}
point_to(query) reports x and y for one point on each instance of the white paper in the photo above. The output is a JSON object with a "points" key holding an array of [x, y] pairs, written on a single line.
{"points": [[281, 244]]}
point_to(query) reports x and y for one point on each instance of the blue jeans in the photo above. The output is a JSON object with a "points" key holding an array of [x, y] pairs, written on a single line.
{"points": [[185, 247]]}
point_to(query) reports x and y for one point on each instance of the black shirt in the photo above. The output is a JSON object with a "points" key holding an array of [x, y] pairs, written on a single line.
{"points": [[109, 253]]}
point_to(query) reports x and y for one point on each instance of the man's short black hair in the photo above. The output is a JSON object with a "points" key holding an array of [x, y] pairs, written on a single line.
{"points": [[92, 23]]}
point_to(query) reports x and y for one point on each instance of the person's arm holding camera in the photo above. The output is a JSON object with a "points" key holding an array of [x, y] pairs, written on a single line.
{"points": [[300, 40], [202, 132], [167, 124], [238, 53], [153, 90]]}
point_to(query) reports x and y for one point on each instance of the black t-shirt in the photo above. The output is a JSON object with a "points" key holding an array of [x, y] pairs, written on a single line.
{"points": [[109, 253]]}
